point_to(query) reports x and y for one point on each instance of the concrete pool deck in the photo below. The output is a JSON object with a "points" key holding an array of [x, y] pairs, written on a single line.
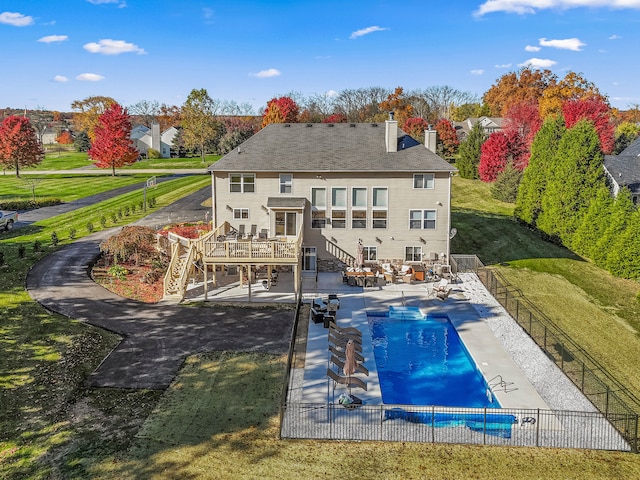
{"points": [[483, 325]]}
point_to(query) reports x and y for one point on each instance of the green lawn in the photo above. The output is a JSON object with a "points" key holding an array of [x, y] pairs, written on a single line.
{"points": [[219, 419], [64, 161], [191, 162]]}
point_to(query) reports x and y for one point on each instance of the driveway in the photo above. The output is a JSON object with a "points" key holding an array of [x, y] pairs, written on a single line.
{"points": [[156, 338]]}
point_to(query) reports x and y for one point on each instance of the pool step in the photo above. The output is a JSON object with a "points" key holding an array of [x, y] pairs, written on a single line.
{"points": [[405, 313]]}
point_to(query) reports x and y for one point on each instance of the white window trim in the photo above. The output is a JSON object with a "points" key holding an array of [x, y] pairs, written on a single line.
{"points": [[433, 177], [379, 209], [413, 247], [281, 184], [240, 210], [423, 218], [242, 182], [366, 200]]}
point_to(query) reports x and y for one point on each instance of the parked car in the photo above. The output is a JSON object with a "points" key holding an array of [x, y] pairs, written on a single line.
{"points": [[7, 219]]}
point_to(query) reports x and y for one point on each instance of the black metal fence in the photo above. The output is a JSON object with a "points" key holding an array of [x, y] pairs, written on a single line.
{"points": [[618, 405], [513, 427]]}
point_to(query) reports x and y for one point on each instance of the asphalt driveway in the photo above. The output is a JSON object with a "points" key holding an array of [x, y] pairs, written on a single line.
{"points": [[155, 338]]}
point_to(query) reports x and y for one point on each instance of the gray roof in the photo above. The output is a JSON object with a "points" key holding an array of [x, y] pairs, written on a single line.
{"points": [[633, 148], [286, 202], [625, 169], [328, 147]]}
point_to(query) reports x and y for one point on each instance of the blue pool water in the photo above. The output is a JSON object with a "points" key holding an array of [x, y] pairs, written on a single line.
{"points": [[422, 361]]}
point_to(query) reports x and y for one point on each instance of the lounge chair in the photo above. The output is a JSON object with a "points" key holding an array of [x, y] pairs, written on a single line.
{"points": [[344, 330], [443, 294], [348, 381], [441, 286], [342, 341], [340, 354], [340, 364]]}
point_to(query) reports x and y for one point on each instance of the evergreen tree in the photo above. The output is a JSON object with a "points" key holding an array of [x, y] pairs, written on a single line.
{"points": [[534, 180], [615, 225], [469, 151], [505, 188], [82, 142], [594, 224], [624, 259], [576, 175]]}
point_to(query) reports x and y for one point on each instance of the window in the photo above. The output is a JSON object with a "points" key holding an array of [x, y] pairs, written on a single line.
{"points": [[380, 205], [422, 219], [242, 182], [370, 253], [412, 254], [241, 213], [338, 219], [318, 207], [359, 219], [286, 183], [359, 197], [423, 180], [339, 197]]}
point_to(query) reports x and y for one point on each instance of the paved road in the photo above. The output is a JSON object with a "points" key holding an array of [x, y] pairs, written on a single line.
{"points": [[156, 338], [131, 171]]}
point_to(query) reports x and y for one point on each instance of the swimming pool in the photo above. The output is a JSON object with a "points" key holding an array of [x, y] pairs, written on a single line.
{"points": [[422, 361]]}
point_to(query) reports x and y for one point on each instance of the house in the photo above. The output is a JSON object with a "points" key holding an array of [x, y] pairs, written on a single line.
{"points": [[623, 170], [145, 138], [490, 125]]}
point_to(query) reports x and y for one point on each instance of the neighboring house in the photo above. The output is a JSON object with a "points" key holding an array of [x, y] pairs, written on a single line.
{"points": [[490, 125], [623, 170], [310, 194], [145, 138]]}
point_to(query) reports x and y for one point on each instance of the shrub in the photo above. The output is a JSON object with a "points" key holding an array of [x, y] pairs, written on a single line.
{"points": [[133, 243], [505, 188], [54, 239], [90, 227], [1, 258], [119, 212], [153, 153], [118, 271], [37, 246], [103, 221], [126, 211], [114, 217], [72, 233], [22, 251]]}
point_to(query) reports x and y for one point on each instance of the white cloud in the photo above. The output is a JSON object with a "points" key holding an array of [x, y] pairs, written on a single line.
{"points": [[60, 79], [53, 38], [477, 72], [532, 6], [16, 19], [565, 44], [271, 72], [615, 37], [504, 65], [538, 63], [208, 14], [367, 31], [108, 46], [89, 77], [532, 48]]}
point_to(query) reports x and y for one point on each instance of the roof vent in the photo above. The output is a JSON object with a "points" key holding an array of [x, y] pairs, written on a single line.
{"points": [[374, 124], [353, 125], [329, 124], [287, 125], [309, 124]]}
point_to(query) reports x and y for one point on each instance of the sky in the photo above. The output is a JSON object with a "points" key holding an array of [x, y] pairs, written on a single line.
{"points": [[252, 51]]}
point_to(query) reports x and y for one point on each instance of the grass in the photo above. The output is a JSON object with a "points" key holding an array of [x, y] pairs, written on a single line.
{"points": [[64, 160], [175, 163], [219, 418]]}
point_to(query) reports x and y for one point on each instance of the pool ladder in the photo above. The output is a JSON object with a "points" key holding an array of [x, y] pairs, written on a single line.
{"points": [[498, 383]]}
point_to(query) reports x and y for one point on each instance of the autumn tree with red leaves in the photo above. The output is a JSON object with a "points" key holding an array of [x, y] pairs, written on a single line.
{"points": [[112, 146], [397, 103], [500, 149], [19, 146], [280, 110], [447, 139], [597, 112], [524, 118], [335, 118], [415, 127]]}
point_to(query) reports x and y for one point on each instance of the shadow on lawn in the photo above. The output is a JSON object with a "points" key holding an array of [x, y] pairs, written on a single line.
{"points": [[498, 239]]}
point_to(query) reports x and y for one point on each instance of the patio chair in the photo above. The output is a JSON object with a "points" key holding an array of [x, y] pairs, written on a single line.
{"points": [[348, 381], [443, 294], [263, 234], [317, 316], [340, 364], [341, 342], [241, 230], [441, 286], [340, 354]]}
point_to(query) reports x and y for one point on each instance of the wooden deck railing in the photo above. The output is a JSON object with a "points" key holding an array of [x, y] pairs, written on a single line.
{"points": [[251, 250]]}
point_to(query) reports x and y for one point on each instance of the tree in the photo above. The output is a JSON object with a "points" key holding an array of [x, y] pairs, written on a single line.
{"points": [[624, 260], [87, 111], [112, 146], [40, 119], [613, 226], [594, 224], [415, 127], [19, 145], [447, 138], [470, 151], [625, 133], [500, 149], [335, 118], [147, 111], [133, 243], [361, 105], [235, 132], [505, 188], [199, 123], [534, 178], [470, 110], [169, 116], [397, 104], [525, 120], [439, 101], [280, 110], [82, 142], [64, 138], [572, 87], [598, 113], [574, 180], [524, 86]]}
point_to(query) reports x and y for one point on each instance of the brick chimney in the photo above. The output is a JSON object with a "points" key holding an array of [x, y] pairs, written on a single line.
{"points": [[391, 134]]}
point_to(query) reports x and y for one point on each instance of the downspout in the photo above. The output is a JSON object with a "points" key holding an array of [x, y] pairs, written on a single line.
{"points": [[449, 222], [214, 216]]}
